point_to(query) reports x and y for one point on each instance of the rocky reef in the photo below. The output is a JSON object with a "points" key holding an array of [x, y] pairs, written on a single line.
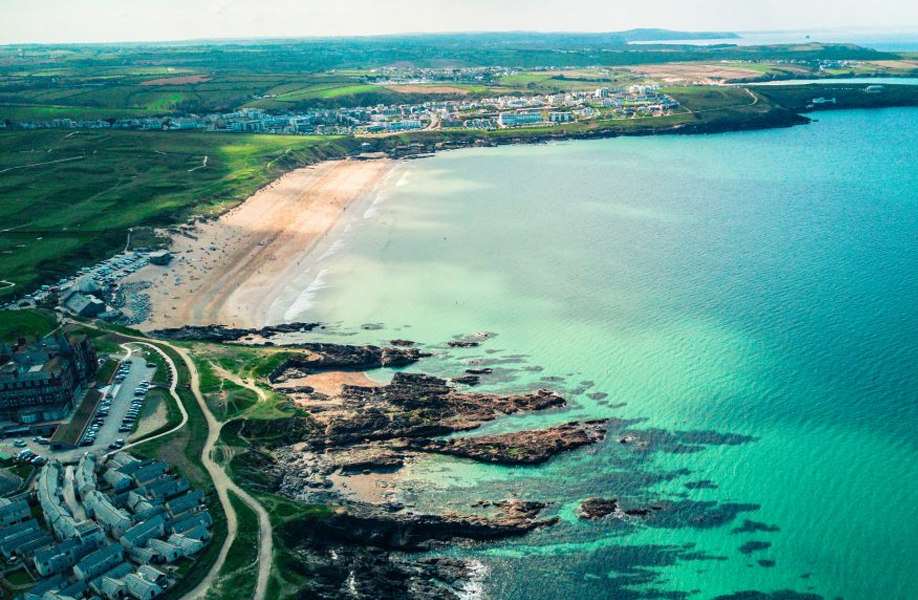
{"points": [[349, 434], [318, 358], [599, 508], [519, 448], [222, 333], [370, 526]]}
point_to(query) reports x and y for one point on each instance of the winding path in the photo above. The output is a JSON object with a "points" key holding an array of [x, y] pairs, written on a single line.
{"points": [[222, 483]]}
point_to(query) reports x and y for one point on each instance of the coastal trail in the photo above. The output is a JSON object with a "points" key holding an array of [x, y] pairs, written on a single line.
{"points": [[222, 483]]}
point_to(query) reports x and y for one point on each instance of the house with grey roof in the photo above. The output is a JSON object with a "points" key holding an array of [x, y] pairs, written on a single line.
{"points": [[166, 486], [44, 586], [13, 511], [10, 543], [48, 490], [99, 562], [185, 503], [134, 498], [83, 305], [140, 534], [90, 530], [114, 520], [148, 473], [111, 588], [25, 547], [11, 530], [189, 521], [188, 545], [118, 480], [121, 460], [143, 556], [84, 478], [165, 551], [153, 575], [149, 513], [141, 589], [117, 572], [75, 590], [198, 533], [60, 557]]}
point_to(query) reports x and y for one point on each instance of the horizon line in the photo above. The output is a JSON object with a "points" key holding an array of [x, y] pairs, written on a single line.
{"points": [[230, 40]]}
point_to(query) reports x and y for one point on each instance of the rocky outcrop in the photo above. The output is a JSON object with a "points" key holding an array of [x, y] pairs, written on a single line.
{"points": [[222, 333], [754, 546], [599, 508], [341, 571], [521, 447], [340, 357], [369, 526], [421, 406], [463, 344]]}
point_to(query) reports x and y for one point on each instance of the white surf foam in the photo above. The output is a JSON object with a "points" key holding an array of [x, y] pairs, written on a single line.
{"points": [[306, 299]]}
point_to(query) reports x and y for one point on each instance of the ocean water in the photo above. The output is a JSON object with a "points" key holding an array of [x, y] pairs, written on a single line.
{"points": [[746, 303], [883, 39]]}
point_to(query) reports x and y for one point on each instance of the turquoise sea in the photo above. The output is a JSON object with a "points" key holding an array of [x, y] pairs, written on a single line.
{"points": [[749, 299]]}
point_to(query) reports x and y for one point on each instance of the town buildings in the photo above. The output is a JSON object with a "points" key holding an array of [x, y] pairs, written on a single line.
{"points": [[105, 543], [39, 380]]}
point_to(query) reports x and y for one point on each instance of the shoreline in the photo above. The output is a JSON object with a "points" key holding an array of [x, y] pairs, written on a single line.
{"points": [[253, 264], [233, 269]]}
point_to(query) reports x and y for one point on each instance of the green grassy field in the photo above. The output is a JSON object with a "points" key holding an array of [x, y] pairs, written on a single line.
{"points": [[25, 323], [68, 199], [847, 95]]}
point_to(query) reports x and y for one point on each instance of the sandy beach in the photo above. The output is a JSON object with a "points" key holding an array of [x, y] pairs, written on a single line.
{"points": [[232, 269]]}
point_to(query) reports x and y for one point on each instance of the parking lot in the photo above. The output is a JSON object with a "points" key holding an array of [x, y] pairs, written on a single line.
{"points": [[118, 402], [104, 273], [121, 401]]}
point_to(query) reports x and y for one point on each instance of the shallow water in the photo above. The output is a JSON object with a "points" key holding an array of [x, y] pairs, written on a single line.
{"points": [[752, 296]]}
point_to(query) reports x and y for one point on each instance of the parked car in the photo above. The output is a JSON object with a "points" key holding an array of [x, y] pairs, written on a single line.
{"points": [[19, 444]]}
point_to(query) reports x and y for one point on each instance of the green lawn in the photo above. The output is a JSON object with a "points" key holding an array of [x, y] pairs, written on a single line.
{"points": [[25, 323], [123, 179], [699, 98]]}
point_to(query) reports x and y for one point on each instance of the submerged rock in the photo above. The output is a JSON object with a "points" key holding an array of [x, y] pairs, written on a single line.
{"points": [[754, 546], [597, 508]]}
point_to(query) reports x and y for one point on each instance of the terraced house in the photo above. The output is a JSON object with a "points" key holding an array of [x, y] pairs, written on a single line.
{"points": [[110, 554]]}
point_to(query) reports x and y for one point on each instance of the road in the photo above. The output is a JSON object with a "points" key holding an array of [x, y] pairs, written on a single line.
{"points": [[108, 432], [173, 382], [222, 483]]}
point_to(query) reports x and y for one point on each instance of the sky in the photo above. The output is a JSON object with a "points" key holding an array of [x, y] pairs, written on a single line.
{"points": [[68, 21]]}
